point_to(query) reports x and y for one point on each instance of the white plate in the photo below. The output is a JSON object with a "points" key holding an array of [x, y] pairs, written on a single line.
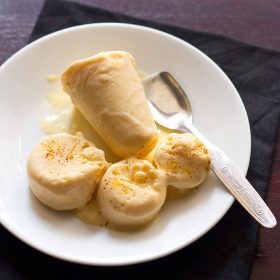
{"points": [[218, 113]]}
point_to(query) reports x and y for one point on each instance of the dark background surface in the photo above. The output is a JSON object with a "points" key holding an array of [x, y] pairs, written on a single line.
{"points": [[253, 21]]}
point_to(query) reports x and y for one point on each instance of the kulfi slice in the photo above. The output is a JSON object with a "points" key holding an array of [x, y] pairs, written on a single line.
{"points": [[107, 89], [65, 170], [131, 192], [184, 159]]}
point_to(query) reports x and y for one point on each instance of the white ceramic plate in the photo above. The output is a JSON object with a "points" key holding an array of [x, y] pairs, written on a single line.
{"points": [[218, 113]]}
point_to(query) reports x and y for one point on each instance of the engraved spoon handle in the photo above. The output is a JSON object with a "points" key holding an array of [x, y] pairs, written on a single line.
{"points": [[241, 188], [237, 184]]}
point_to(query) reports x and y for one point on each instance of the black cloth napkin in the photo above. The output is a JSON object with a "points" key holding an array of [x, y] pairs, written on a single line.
{"points": [[226, 252]]}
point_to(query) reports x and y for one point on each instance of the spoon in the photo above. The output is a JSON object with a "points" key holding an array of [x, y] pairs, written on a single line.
{"points": [[171, 108]]}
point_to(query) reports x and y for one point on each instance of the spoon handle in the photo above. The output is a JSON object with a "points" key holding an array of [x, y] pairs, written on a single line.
{"points": [[241, 188], [237, 184]]}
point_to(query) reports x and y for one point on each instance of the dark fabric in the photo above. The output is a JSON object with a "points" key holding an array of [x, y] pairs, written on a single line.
{"points": [[226, 251]]}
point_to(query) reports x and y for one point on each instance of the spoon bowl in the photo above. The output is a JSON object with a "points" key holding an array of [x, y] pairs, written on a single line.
{"points": [[167, 100]]}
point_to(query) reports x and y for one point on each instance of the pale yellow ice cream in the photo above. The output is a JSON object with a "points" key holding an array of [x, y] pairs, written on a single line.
{"points": [[107, 90], [184, 159], [131, 192], [64, 170]]}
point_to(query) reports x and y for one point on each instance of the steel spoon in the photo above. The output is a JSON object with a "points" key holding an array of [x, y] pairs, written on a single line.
{"points": [[171, 108]]}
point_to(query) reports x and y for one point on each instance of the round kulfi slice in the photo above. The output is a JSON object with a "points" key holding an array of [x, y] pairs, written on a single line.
{"points": [[64, 171], [107, 89], [131, 193], [184, 159]]}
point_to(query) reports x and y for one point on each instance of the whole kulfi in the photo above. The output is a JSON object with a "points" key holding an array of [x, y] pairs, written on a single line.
{"points": [[107, 89]]}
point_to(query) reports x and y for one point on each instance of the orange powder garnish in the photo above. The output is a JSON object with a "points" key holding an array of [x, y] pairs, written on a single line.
{"points": [[55, 149]]}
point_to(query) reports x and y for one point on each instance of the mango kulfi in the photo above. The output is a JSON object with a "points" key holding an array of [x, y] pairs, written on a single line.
{"points": [[131, 192], [184, 159], [65, 170], [107, 89]]}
